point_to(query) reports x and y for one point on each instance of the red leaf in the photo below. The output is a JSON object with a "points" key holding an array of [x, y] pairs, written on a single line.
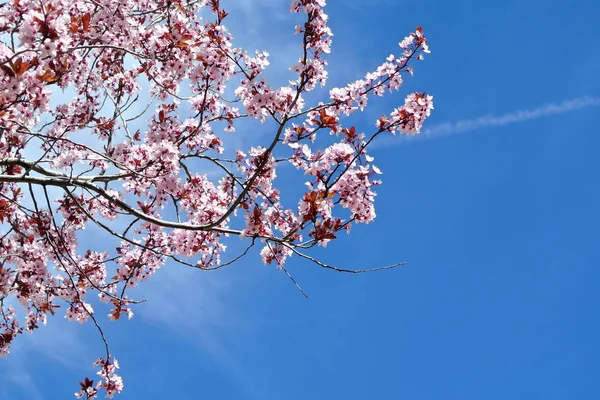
{"points": [[13, 170], [86, 22], [87, 383], [3, 209], [49, 76], [327, 121], [349, 133], [7, 70], [20, 67]]}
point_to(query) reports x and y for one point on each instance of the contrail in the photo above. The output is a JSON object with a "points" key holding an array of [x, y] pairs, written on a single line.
{"points": [[451, 128]]}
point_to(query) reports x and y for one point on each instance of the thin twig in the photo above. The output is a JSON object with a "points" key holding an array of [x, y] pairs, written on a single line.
{"points": [[293, 280], [351, 271]]}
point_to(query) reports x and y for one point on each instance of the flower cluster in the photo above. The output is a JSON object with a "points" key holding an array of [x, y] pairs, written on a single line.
{"points": [[110, 381], [117, 118]]}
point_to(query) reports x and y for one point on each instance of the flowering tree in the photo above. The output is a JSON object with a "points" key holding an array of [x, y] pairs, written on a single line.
{"points": [[111, 114]]}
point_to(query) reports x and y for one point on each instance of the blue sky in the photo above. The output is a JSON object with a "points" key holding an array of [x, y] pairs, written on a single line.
{"points": [[499, 226]]}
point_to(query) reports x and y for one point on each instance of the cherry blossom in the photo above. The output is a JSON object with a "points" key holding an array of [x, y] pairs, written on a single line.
{"points": [[117, 118]]}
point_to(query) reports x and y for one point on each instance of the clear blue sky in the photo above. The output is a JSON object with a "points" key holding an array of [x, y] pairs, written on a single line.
{"points": [[499, 226]]}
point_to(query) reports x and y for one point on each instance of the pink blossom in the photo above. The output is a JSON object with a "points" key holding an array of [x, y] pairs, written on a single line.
{"points": [[119, 120]]}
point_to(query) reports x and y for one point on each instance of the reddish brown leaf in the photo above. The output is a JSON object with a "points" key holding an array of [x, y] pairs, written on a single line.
{"points": [[7, 70], [86, 22], [87, 383], [349, 133], [49, 76]]}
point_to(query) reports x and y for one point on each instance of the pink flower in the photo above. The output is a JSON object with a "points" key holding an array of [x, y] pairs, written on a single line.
{"points": [[120, 121]]}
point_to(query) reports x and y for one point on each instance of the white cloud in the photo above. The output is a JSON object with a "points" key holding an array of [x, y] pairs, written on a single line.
{"points": [[258, 15], [59, 340], [15, 374], [451, 128], [197, 306]]}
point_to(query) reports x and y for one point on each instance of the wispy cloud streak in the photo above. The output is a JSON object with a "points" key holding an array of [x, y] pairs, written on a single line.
{"points": [[451, 128]]}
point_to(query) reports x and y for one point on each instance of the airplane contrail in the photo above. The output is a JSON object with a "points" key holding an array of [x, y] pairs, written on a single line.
{"points": [[450, 128]]}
